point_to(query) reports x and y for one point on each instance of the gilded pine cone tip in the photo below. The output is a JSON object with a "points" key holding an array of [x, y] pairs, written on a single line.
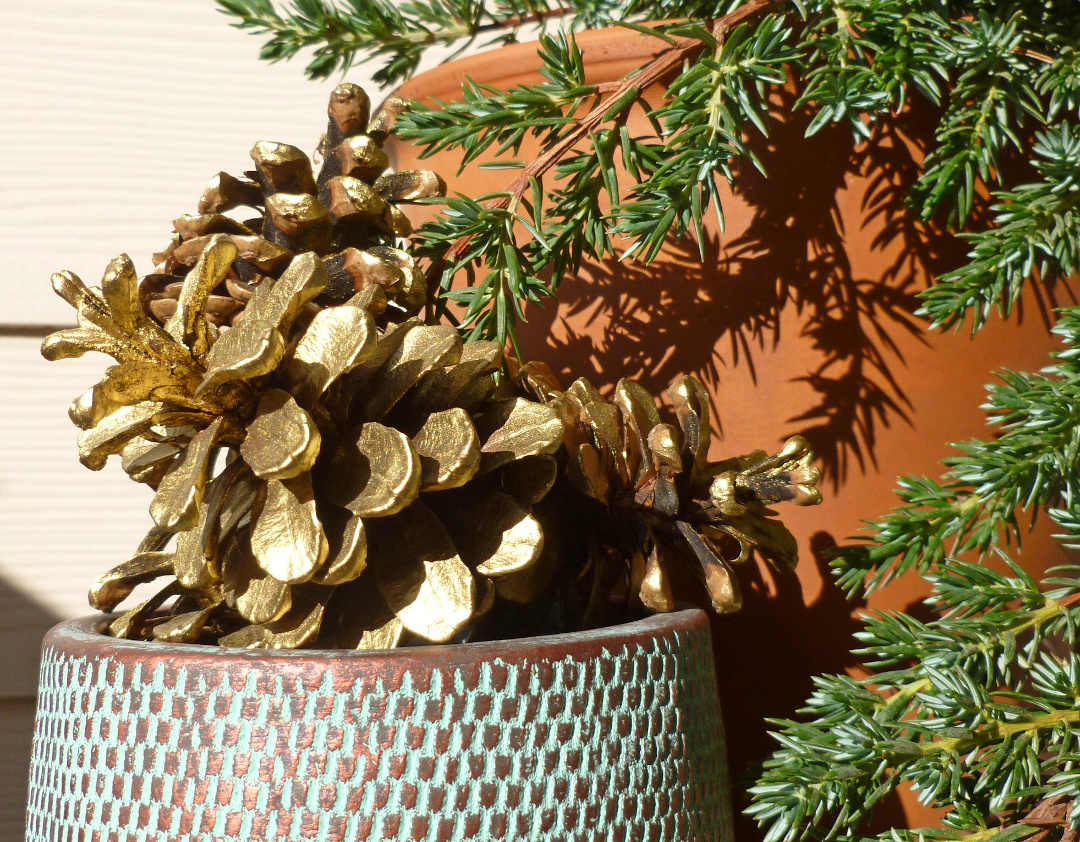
{"points": [[349, 214]]}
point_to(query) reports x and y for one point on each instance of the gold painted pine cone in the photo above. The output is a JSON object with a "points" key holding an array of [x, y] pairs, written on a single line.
{"points": [[318, 479], [659, 496], [348, 215], [331, 471]]}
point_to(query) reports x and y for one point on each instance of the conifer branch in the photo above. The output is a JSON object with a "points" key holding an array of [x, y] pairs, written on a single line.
{"points": [[1002, 77], [399, 32], [1037, 225], [979, 708], [612, 109], [982, 723], [574, 223], [1034, 464]]}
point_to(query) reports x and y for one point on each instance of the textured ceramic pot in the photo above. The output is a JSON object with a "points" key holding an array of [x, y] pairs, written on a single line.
{"points": [[799, 320], [613, 734]]}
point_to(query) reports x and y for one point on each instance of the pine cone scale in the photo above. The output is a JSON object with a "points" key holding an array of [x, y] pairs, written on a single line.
{"points": [[449, 450], [421, 576]]}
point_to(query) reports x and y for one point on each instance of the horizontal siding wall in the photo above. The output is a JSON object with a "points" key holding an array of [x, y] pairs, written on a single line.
{"points": [[114, 114], [17, 717], [61, 525]]}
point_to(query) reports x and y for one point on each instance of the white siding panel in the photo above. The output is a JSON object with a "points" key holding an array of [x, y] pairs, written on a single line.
{"points": [[17, 716], [113, 116], [61, 525]]}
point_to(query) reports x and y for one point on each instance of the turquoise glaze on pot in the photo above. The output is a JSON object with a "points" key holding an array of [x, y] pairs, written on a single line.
{"points": [[607, 735]]}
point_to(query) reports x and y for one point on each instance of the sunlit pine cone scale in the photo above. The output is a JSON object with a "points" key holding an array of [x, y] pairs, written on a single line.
{"points": [[348, 214], [658, 496], [310, 467]]}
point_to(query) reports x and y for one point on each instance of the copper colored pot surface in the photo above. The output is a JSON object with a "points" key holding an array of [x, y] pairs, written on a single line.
{"points": [[612, 734]]}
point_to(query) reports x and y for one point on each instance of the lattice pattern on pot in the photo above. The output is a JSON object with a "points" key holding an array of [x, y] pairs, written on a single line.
{"points": [[627, 746]]}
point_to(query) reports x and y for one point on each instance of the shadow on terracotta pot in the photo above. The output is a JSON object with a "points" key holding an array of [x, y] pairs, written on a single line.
{"points": [[721, 312], [800, 319]]}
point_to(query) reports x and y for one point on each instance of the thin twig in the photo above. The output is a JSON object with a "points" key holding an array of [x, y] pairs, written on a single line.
{"points": [[1026, 53], [1069, 600], [521, 20]]}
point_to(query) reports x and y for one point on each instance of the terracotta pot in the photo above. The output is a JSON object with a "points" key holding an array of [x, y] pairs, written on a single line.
{"points": [[603, 735], [799, 321]]}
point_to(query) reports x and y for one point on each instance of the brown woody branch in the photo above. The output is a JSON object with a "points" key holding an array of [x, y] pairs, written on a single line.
{"points": [[521, 20], [1049, 818]]}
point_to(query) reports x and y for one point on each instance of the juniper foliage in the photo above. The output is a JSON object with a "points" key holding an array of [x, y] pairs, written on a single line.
{"points": [[1033, 464], [1006, 75], [979, 709], [396, 33]]}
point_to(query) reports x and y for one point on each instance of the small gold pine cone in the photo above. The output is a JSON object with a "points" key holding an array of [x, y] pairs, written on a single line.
{"points": [[349, 215], [318, 478], [661, 498]]}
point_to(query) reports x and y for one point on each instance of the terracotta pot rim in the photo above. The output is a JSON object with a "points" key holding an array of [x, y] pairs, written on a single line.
{"points": [[84, 635], [602, 48]]}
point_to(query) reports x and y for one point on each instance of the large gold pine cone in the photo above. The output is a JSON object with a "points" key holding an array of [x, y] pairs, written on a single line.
{"points": [[371, 490], [349, 214]]}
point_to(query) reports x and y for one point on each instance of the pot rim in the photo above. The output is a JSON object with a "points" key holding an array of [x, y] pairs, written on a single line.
{"points": [[84, 636], [609, 52]]}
